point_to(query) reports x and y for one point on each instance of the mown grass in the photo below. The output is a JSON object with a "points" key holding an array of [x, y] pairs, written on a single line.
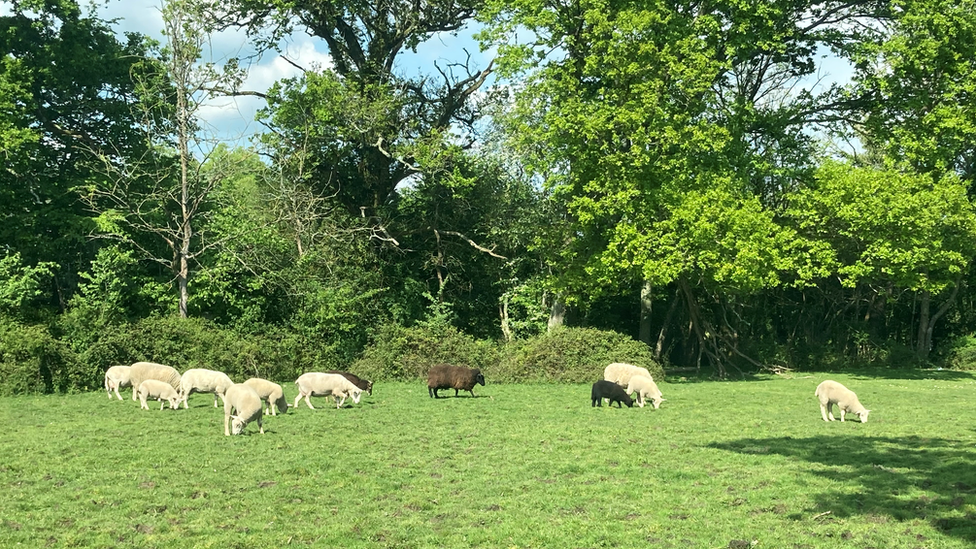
{"points": [[721, 464]]}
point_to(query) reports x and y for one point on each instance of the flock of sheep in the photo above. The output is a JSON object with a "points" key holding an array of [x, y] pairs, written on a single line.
{"points": [[244, 402]]}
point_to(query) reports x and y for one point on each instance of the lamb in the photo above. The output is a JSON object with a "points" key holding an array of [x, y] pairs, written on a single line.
{"points": [[607, 389], [363, 384], [269, 392], [201, 380], [620, 373], [459, 378], [645, 388], [245, 401], [322, 384], [830, 392], [116, 378], [159, 390], [141, 371]]}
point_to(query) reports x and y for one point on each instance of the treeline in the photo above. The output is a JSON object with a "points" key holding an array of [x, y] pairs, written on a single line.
{"points": [[673, 172]]}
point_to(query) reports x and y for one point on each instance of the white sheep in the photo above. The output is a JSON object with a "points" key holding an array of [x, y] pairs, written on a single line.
{"points": [[830, 392], [141, 371], [645, 388], [319, 384], [620, 373], [200, 380], [116, 378], [271, 393], [159, 390], [245, 401]]}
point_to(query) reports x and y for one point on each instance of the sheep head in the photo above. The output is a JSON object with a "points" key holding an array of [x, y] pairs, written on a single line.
{"points": [[863, 415], [480, 379], [237, 425], [355, 395]]}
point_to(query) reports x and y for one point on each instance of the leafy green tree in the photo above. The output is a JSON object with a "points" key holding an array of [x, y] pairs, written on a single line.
{"points": [[892, 228], [65, 95], [923, 77]]}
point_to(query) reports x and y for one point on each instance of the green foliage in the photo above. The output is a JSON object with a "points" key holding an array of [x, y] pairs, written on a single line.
{"points": [[406, 353], [197, 343], [20, 285], [571, 355], [33, 361], [961, 353], [888, 226]]}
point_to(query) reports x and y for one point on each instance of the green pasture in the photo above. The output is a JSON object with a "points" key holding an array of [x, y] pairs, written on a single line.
{"points": [[721, 464]]}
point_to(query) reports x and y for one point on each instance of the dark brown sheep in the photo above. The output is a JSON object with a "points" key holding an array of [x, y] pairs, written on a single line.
{"points": [[363, 384], [459, 378]]}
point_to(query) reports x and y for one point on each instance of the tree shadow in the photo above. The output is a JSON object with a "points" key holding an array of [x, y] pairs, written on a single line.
{"points": [[886, 471], [857, 373]]}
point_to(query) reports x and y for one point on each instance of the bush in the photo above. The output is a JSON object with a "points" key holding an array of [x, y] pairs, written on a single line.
{"points": [[33, 361], [571, 355], [404, 354], [961, 354], [185, 343]]}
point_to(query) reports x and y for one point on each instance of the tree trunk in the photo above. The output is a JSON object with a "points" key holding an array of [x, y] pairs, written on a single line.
{"points": [[663, 334], [557, 316], [646, 300], [922, 349], [503, 313], [926, 321]]}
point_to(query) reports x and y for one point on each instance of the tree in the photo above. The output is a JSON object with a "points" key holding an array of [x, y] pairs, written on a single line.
{"points": [[891, 228], [65, 97], [924, 77], [164, 193], [370, 152]]}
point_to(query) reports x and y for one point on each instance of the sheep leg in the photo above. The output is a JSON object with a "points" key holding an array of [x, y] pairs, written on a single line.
{"points": [[162, 404], [260, 426], [842, 412], [308, 400], [116, 392], [215, 400], [297, 399]]}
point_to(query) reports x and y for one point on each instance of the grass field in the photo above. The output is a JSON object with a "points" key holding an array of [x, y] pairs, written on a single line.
{"points": [[721, 464]]}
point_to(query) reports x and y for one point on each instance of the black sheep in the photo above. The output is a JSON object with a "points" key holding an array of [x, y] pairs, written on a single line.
{"points": [[459, 378], [607, 389], [363, 384]]}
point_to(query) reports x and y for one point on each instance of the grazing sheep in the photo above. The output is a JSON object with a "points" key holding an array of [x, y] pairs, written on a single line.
{"points": [[159, 390], [322, 384], [245, 401], [271, 393], [830, 392], [607, 389], [620, 373], [200, 380], [141, 371], [459, 378], [116, 378], [645, 388], [363, 384]]}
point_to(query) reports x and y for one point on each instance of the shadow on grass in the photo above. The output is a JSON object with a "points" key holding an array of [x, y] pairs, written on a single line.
{"points": [[862, 373], [908, 478]]}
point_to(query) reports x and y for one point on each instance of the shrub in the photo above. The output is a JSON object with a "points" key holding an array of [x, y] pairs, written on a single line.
{"points": [[401, 354], [33, 361], [185, 343], [571, 355], [961, 354]]}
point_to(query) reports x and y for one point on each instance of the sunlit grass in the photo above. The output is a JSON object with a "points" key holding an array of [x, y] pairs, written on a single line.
{"points": [[519, 466]]}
